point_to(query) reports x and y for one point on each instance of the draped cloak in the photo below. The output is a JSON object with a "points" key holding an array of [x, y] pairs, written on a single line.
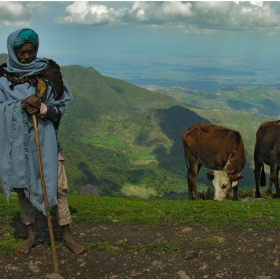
{"points": [[18, 161]]}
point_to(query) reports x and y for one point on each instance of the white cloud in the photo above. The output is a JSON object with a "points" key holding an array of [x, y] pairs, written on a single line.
{"points": [[19, 13], [87, 13], [159, 12], [204, 15]]}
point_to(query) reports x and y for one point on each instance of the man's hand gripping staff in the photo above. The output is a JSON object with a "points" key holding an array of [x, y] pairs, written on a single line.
{"points": [[32, 104]]}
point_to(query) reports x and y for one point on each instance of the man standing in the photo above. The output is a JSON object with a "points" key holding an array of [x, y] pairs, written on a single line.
{"points": [[22, 80]]}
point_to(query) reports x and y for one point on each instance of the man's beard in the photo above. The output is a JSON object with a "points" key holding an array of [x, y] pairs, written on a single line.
{"points": [[26, 61]]}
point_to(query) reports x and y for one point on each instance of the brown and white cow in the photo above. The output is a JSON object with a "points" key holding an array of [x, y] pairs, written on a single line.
{"points": [[267, 150], [218, 149]]}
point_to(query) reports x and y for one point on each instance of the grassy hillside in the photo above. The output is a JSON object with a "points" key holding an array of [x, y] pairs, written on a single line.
{"points": [[125, 139]]}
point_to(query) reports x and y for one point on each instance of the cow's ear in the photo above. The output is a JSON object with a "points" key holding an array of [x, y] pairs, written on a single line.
{"points": [[235, 177], [210, 176]]}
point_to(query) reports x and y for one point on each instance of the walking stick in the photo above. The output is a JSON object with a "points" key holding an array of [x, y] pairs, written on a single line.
{"points": [[44, 191]]}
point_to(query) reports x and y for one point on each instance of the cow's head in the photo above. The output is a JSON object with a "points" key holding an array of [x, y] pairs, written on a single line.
{"points": [[222, 183]]}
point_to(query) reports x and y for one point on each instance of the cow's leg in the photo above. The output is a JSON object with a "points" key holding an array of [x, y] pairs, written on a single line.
{"points": [[272, 179], [257, 172], [235, 190], [192, 173], [195, 192], [277, 183]]}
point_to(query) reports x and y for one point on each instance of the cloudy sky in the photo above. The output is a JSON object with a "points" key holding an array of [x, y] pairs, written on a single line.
{"points": [[200, 45]]}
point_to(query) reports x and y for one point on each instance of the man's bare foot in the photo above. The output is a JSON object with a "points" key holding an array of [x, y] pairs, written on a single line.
{"points": [[26, 246], [30, 242], [75, 247]]}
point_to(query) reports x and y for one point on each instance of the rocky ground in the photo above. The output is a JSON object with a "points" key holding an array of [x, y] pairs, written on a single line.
{"points": [[114, 250]]}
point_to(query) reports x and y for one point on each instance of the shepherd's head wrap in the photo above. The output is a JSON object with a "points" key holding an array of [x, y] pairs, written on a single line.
{"points": [[14, 42], [26, 36]]}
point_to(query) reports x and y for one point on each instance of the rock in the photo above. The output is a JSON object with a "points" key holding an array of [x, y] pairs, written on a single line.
{"points": [[189, 255], [219, 239], [183, 274], [34, 269], [186, 229], [115, 248], [90, 189], [53, 276], [158, 264], [203, 267], [122, 241], [269, 239]]}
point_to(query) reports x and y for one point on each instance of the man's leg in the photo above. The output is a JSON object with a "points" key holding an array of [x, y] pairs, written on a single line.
{"points": [[63, 213], [28, 218]]}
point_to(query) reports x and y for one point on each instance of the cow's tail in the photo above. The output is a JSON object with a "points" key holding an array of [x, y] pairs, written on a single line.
{"points": [[263, 177]]}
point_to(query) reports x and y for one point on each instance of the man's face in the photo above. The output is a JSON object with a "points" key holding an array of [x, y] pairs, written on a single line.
{"points": [[26, 53]]}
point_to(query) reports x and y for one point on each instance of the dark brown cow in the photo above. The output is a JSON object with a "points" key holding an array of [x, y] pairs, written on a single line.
{"points": [[267, 150], [221, 151]]}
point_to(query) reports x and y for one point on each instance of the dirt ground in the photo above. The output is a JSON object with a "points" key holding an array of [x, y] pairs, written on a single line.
{"points": [[147, 252]]}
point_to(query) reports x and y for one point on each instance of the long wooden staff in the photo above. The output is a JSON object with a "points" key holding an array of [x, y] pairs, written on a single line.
{"points": [[45, 192], [39, 94]]}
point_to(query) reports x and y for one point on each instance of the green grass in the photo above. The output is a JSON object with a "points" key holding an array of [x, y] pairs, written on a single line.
{"points": [[8, 243], [162, 246], [207, 242], [141, 155], [253, 214]]}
